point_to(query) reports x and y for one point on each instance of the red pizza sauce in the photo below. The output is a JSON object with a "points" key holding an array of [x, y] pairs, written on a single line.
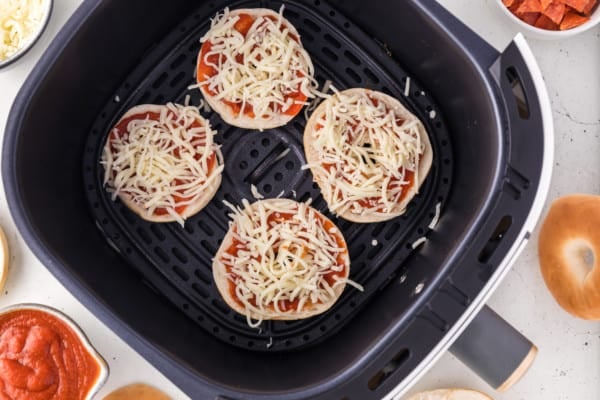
{"points": [[42, 358], [205, 71]]}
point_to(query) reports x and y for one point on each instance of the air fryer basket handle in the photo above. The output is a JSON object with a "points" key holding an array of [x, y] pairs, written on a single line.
{"points": [[494, 350]]}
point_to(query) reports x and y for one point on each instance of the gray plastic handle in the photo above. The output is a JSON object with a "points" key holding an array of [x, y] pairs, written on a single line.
{"points": [[494, 350]]}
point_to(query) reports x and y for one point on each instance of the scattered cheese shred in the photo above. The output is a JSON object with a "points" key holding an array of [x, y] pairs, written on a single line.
{"points": [[285, 255], [364, 150], [263, 69], [162, 163], [19, 21]]}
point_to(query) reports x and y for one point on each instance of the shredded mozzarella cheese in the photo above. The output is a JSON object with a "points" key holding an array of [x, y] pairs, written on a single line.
{"points": [[19, 21], [363, 151], [263, 69], [162, 163], [284, 254]]}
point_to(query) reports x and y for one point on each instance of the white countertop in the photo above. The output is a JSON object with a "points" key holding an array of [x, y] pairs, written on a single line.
{"points": [[568, 364]]}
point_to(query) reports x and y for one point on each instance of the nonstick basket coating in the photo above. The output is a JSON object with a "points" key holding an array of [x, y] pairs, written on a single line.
{"points": [[177, 261]]}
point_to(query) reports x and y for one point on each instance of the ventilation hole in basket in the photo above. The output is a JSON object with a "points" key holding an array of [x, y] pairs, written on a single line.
{"points": [[178, 61], [267, 188], [388, 369], [444, 142], [373, 252], [202, 292], [287, 343], [289, 165], [216, 329], [205, 227], [305, 197], [104, 221], [219, 305], [495, 239], [179, 255], [200, 318], [185, 306], [445, 181], [145, 97], [127, 214], [440, 198], [346, 25], [323, 328], [352, 74], [359, 249], [330, 54], [417, 93], [306, 37], [332, 13], [126, 85], [232, 338], [265, 142], [144, 235], [128, 250], [254, 153], [352, 58], [428, 109], [312, 26], [337, 317], [446, 161], [208, 246], [377, 230], [306, 338], [202, 276], [391, 231], [162, 254], [160, 80], [157, 232], [278, 176], [177, 79], [331, 40], [243, 164], [96, 205], [317, 2], [372, 77]]}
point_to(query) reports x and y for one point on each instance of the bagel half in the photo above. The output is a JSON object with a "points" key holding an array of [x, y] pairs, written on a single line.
{"points": [[338, 142], [173, 148], [252, 62], [569, 252], [137, 391], [281, 260], [450, 394]]}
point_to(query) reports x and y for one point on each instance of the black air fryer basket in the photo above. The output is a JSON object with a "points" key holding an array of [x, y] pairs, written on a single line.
{"points": [[487, 118]]}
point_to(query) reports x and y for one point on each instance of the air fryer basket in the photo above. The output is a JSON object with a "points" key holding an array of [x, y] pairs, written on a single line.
{"points": [[151, 283]]}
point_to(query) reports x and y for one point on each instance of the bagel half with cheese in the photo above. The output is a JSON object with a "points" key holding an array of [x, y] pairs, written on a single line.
{"points": [[253, 70], [281, 260], [162, 162], [368, 154]]}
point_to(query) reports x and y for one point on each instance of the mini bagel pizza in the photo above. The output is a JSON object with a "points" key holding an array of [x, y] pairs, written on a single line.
{"points": [[162, 162], [253, 70], [569, 251], [281, 260], [368, 154]]}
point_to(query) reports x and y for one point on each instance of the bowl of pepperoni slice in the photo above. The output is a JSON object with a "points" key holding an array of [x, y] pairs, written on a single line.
{"points": [[551, 19]]}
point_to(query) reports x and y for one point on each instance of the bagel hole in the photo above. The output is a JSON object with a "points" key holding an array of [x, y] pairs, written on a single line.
{"points": [[580, 257]]}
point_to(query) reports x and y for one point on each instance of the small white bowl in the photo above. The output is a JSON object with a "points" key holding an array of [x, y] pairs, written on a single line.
{"points": [[103, 375], [48, 4], [539, 33]]}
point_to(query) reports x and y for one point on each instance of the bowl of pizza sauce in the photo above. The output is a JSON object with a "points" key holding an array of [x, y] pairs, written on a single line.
{"points": [[45, 355], [551, 19]]}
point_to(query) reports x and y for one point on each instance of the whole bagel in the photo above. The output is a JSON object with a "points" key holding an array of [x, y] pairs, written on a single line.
{"points": [[569, 252]]}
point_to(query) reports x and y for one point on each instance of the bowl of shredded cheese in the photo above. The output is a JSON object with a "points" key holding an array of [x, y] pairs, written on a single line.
{"points": [[21, 25]]}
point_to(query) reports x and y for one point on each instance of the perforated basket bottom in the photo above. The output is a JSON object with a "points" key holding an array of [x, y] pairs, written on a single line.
{"points": [[176, 261]]}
